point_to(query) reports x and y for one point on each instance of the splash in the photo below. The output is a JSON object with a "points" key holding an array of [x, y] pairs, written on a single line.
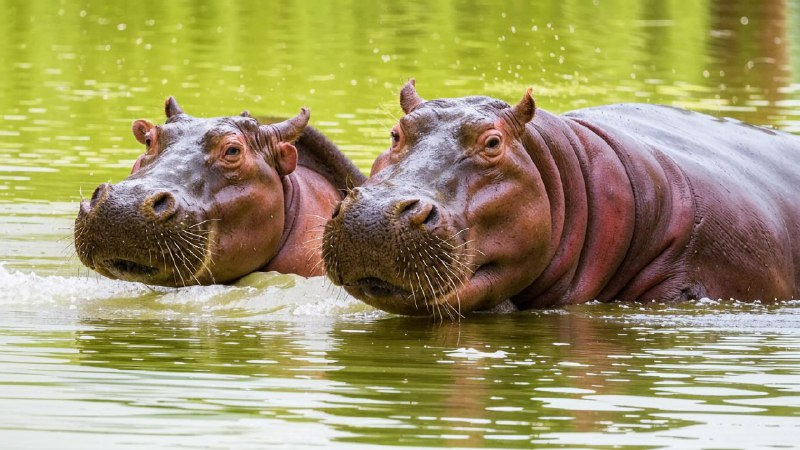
{"points": [[257, 296]]}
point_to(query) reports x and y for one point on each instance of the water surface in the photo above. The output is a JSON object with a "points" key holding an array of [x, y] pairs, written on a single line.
{"points": [[282, 361]]}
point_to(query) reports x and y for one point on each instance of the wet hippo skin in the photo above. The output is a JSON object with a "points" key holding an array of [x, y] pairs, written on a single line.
{"points": [[212, 200], [477, 202]]}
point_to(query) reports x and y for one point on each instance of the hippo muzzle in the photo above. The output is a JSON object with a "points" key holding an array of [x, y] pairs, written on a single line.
{"points": [[139, 232], [400, 253]]}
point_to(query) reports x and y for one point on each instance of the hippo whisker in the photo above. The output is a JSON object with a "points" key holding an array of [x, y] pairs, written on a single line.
{"points": [[323, 219], [158, 243], [203, 222], [315, 266], [183, 259], [455, 235], [317, 238], [176, 270]]}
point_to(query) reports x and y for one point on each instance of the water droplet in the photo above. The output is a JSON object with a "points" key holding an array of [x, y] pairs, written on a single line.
{"points": [[744, 20]]}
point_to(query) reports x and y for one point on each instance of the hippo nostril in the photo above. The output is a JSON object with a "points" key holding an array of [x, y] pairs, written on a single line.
{"points": [[405, 206], [418, 212], [99, 194], [432, 216], [162, 205]]}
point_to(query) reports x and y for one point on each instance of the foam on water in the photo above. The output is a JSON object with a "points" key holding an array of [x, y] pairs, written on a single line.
{"points": [[259, 295]]}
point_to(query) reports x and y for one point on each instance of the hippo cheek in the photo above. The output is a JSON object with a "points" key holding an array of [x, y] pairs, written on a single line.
{"points": [[250, 226], [510, 245]]}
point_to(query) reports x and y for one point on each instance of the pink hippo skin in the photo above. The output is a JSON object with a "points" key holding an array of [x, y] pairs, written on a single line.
{"points": [[477, 202], [213, 200]]}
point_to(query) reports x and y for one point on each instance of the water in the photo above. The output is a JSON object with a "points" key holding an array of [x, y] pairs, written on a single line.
{"points": [[281, 361]]}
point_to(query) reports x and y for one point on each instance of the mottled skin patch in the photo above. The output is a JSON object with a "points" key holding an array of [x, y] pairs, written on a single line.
{"points": [[212, 200], [477, 202]]}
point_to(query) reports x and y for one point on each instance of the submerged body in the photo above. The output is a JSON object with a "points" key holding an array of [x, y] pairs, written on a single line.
{"points": [[213, 200], [477, 202]]}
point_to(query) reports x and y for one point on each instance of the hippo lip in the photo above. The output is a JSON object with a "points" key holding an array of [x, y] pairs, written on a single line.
{"points": [[127, 269], [377, 288]]}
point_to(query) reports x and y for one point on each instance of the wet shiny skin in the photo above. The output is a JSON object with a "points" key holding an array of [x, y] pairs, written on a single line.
{"points": [[621, 202], [210, 201]]}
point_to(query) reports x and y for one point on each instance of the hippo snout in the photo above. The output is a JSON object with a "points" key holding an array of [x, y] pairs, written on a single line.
{"points": [[396, 252], [136, 232]]}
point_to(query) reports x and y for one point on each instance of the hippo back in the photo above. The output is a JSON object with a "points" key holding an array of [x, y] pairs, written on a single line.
{"points": [[743, 180]]}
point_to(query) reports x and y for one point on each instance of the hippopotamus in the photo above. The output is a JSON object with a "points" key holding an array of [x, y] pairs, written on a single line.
{"points": [[477, 202], [212, 200]]}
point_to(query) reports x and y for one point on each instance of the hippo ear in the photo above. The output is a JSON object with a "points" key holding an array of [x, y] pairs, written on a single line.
{"points": [[409, 99], [291, 129], [140, 128], [245, 113], [525, 109], [171, 108], [285, 158]]}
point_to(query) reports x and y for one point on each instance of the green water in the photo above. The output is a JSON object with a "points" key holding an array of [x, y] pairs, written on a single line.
{"points": [[280, 361]]}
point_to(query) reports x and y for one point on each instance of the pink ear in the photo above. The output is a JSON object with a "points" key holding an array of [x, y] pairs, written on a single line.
{"points": [[285, 158], [138, 164], [140, 129]]}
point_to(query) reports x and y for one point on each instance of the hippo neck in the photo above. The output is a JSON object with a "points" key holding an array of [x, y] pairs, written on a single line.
{"points": [[619, 211], [322, 178], [319, 154], [308, 201]]}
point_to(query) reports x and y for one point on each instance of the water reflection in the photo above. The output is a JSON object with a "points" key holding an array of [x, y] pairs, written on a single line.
{"points": [[89, 363], [749, 45], [79, 74], [597, 373]]}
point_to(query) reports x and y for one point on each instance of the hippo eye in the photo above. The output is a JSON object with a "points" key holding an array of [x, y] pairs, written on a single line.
{"points": [[232, 151], [395, 137], [493, 142]]}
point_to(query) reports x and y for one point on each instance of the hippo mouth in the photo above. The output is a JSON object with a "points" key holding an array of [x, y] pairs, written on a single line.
{"points": [[127, 269], [376, 288]]}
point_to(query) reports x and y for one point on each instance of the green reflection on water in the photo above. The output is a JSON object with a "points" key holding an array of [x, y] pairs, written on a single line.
{"points": [[121, 366], [77, 74], [491, 381]]}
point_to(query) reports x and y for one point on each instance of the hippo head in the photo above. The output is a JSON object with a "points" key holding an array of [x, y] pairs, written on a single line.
{"points": [[454, 216], [204, 203]]}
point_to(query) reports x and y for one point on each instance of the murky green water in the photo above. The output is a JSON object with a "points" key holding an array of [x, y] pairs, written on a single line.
{"points": [[279, 361]]}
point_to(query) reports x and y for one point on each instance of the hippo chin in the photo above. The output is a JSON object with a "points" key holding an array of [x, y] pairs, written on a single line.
{"points": [[212, 200], [477, 202]]}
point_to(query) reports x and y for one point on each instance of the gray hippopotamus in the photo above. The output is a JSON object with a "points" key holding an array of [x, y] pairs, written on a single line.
{"points": [[213, 200], [477, 202]]}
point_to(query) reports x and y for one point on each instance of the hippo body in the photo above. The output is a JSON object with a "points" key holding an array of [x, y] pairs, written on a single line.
{"points": [[477, 202], [678, 205], [212, 200]]}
